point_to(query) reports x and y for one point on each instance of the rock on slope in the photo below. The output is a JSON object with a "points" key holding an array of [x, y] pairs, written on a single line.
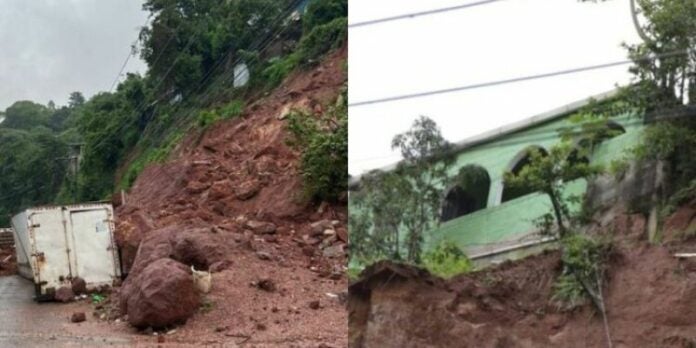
{"points": [[230, 202]]}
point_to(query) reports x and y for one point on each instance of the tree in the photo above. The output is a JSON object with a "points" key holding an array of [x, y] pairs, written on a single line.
{"points": [[394, 210], [26, 115], [187, 38], [379, 211], [427, 157], [76, 100], [664, 86], [323, 11], [31, 171], [549, 174]]}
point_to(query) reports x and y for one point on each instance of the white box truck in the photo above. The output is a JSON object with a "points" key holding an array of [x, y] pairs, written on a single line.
{"points": [[58, 243]]}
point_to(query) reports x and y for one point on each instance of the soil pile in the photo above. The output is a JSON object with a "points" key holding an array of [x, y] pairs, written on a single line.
{"points": [[231, 202], [650, 298]]}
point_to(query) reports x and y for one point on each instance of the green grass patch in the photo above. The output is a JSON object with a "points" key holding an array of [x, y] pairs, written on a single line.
{"points": [[447, 260]]}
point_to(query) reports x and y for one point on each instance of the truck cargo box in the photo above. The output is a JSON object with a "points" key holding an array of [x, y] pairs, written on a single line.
{"points": [[56, 244]]}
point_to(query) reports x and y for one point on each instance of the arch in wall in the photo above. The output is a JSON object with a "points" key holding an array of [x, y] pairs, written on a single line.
{"points": [[611, 130], [469, 193], [518, 162], [576, 157]]}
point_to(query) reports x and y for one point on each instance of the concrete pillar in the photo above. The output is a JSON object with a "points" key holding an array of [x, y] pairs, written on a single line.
{"points": [[495, 193]]}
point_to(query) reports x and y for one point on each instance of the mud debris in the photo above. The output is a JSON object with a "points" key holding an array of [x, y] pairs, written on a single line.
{"points": [[78, 317]]}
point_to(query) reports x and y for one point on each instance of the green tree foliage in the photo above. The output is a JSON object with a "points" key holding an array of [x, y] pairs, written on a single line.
{"points": [[585, 261], [447, 260], [406, 199], [76, 100], [376, 216], [190, 47], [313, 45], [31, 169], [26, 115], [324, 11], [664, 86], [549, 174], [323, 38], [197, 34], [427, 157], [324, 145], [110, 125]]}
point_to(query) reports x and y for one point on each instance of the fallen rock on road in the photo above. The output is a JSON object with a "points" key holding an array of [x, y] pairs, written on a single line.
{"points": [[161, 295]]}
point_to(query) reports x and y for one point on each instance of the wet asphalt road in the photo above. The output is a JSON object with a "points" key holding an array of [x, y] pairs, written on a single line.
{"points": [[25, 323]]}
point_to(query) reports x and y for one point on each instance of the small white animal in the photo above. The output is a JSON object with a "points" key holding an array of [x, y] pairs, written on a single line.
{"points": [[203, 281]]}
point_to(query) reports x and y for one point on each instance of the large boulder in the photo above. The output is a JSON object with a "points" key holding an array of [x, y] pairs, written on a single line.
{"points": [[162, 294], [189, 245]]}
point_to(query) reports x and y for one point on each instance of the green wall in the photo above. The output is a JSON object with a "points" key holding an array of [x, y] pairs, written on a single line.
{"points": [[509, 223], [505, 225]]}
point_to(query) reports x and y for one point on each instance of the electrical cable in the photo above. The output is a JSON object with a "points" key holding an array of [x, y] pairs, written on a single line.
{"points": [[671, 114], [130, 54], [516, 79], [421, 13], [140, 108]]}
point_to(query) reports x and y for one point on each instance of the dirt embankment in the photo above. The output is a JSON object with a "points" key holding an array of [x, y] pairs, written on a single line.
{"points": [[231, 201], [650, 297]]}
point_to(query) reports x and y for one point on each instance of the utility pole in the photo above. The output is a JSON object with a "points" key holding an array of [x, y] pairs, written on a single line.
{"points": [[74, 158]]}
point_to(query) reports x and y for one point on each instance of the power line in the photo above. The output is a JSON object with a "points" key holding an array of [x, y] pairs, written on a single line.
{"points": [[265, 42], [634, 121], [516, 79], [130, 54], [141, 107], [421, 13], [542, 135]]}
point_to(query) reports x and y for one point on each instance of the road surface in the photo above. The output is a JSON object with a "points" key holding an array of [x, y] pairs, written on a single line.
{"points": [[25, 323]]}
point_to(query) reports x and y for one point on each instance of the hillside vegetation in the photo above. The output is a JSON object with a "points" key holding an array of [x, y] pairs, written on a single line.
{"points": [[191, 49]]}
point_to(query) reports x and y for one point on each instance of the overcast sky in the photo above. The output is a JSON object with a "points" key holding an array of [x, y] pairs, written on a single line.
{"points": [[496, 41], [53, 47]]}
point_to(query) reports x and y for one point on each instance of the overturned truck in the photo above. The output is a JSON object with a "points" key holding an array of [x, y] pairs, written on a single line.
{"points": [[59, 244]]}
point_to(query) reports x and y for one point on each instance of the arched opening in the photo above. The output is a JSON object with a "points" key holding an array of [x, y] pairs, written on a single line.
{"points": [[608, 130], [577, 157], [469, 194], [518, 163]]}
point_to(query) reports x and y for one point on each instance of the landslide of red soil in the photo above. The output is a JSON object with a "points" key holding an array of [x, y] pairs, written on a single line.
{"points": [[650, 298], [238, 174], [8, 267]]}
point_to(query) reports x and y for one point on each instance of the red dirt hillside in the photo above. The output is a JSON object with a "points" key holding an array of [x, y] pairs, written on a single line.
{"points": [[231, 201], [650, 298]]}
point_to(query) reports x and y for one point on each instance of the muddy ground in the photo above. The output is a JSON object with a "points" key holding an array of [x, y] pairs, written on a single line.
{"points": [[650, 298]]}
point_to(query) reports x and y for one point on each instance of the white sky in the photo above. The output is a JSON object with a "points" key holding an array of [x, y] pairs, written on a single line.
{"points": [[490, 42], [51, 48]]}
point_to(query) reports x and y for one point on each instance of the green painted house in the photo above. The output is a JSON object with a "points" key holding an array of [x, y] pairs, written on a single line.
{"points": [[492, 222]]}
